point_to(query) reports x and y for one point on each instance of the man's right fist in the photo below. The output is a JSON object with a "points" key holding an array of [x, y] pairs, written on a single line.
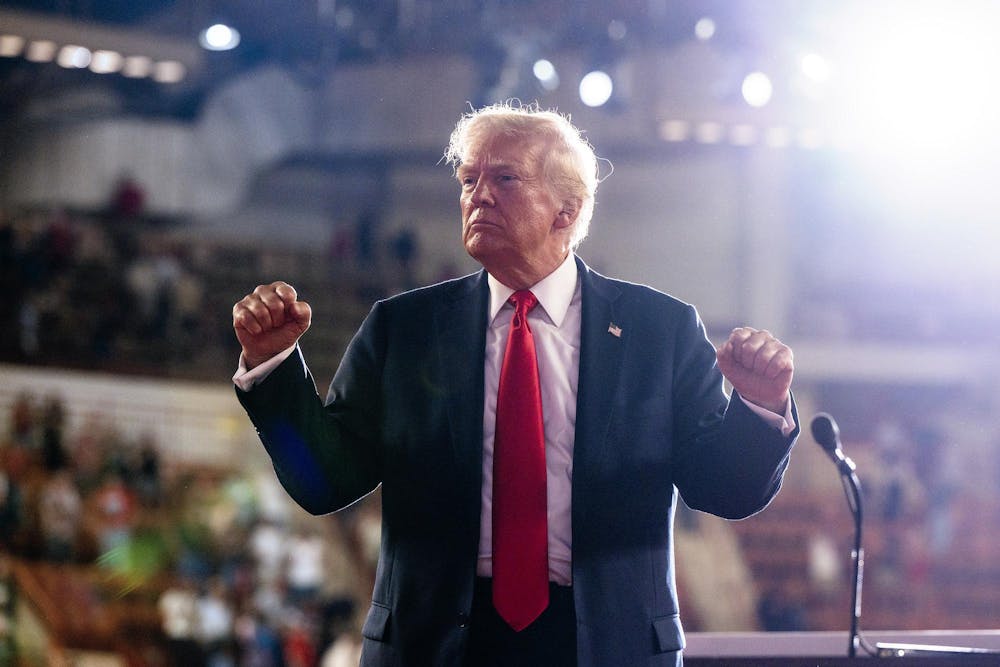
{"points": [[269, 320]]}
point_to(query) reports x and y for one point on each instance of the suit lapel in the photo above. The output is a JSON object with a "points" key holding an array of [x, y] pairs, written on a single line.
{"points": [[604, 333], [460, 322]]}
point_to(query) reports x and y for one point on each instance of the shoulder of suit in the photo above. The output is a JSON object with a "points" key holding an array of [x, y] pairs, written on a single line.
{"points": [[638, 292], [448, 289]]}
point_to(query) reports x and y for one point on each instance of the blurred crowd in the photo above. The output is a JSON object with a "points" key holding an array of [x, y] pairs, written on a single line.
{"points": [[89, 291], [236, 576], [125, 293]]}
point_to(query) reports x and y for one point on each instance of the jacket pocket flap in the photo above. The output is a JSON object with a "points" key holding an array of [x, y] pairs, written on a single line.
{"points": [[669, 633], [377, 622]]}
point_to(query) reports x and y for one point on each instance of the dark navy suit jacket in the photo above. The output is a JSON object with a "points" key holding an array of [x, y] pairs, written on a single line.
{"points": [[405, 410]]}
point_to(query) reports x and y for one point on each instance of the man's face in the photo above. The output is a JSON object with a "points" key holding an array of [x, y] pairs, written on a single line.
{"points": [[512, 222]]}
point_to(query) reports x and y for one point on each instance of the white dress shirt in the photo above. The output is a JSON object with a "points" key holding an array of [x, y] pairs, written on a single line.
{"points": [[555, 325]]}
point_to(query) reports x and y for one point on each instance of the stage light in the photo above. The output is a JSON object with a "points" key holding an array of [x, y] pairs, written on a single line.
{"points": [[708, 132], [546, 74], [41, 51], [79, 44], [137, 67], [169, 71], [219, 37], [675, 130], [914, 84], [617, 30], [704, 29], [743, 135], [106, 62], [11, 45], [815, 67], [596, 88], [72, 56], [757, 89]]}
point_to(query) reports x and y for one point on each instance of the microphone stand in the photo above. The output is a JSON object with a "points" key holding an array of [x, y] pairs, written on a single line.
{"points": [[852, 488]]}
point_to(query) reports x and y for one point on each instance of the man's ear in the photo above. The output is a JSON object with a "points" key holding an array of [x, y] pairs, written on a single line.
{"points": [[568, 215]]}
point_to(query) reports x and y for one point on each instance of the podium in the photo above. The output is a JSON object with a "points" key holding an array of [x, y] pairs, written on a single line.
{"points": [[778, 661], [828, 649]]}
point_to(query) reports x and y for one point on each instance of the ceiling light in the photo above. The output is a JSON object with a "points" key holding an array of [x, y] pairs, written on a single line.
{"points": [[596, 88], [757, 89], [219, 37], [11, 45]]}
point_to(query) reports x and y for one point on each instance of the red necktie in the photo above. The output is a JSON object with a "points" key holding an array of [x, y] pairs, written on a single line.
{"points": [[520, 526]]}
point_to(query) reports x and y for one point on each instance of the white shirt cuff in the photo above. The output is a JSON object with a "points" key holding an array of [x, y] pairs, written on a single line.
{"points": [[248, 379], [784, 423]]}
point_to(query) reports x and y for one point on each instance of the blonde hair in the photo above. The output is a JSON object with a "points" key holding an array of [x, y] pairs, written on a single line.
{"points": [[570, 165]]}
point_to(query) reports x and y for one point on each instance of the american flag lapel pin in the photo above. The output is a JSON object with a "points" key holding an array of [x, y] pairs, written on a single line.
{"points": [[615, 330]]}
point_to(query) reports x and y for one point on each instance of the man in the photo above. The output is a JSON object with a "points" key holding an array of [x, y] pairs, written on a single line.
{"points": [[632, 410]]}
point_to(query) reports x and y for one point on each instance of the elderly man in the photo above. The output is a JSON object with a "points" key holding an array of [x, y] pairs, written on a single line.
{"points": [[530, 424]]}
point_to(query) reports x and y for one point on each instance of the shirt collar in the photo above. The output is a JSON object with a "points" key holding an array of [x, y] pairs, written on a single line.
{"points": [[554, 292]]}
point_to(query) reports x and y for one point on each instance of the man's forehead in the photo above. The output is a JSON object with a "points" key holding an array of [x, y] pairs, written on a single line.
{"points": [[501, 151]]}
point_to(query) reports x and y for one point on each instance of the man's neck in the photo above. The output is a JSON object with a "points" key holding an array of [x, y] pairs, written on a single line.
{"points": [[523, 277]]}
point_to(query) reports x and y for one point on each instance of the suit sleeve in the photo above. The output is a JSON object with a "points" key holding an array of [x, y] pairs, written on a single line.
{"points": [[326, 456], [727, 460]]}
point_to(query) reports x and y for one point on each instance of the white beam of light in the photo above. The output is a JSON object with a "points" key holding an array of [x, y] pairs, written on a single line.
{"points": [[924, 82], [915, 103]]}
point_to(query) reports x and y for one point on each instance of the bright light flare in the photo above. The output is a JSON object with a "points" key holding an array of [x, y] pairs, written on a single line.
{"points": [[923, 80], [596, 88], [219, 37], [546, 74], [757, 89], [11, 45], [73, 57], [815, 67], [106, 61], [704, 29]]}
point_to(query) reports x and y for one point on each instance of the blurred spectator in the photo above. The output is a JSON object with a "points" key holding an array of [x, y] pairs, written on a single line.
{"points": [[148, 484], [22, 447], [215, 624], [178, 606], [128, 200], [114, 507], [260, 644], [366, 233], [780, 612], [87, 450], [22, 418], [267, 544], [189, 313], [152, 278], [304, 567], [405, 249], [60, 510], [53, 425], [344, 652], [11, 511], [8, 606], [299, 640]]}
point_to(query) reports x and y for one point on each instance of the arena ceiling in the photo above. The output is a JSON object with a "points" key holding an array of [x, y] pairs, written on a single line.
{"points": [[312, 36]]}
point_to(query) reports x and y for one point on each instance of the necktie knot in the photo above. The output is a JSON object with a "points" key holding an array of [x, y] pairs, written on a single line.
{"points": [[523, 301]]}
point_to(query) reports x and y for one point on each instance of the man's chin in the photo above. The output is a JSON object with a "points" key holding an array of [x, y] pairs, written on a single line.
{"points": [[479, 247]]}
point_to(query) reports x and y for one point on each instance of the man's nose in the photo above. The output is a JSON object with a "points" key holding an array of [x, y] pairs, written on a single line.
{"points": [[481, 195]]}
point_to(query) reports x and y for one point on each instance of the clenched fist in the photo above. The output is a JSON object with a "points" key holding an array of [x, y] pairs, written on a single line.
{"points": [[268, 320], [759, 366]]}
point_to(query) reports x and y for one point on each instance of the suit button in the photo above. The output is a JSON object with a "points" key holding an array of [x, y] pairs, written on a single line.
{"points": [[462, 620]]}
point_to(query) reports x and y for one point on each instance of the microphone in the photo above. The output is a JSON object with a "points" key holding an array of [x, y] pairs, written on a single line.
{"points": [[826, 433]]}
